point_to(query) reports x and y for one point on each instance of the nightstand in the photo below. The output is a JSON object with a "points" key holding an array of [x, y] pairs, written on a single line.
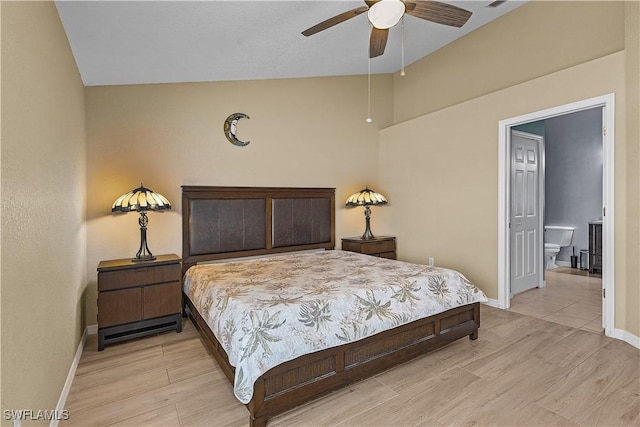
{"points": [[383, 246], [138, 298]]}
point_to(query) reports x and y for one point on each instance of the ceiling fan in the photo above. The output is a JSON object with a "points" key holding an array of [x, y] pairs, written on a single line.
{"points": [[384, 14]]}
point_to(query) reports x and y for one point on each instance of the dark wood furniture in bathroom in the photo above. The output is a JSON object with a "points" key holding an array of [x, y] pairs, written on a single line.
{"points": [[595, 247]]}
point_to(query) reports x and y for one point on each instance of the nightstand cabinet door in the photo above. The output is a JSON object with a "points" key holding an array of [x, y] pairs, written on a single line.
{"points": [[123, 306], [161, 300]]}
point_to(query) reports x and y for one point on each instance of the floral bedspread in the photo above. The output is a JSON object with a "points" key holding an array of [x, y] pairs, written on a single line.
{"points": [[267, 311]]}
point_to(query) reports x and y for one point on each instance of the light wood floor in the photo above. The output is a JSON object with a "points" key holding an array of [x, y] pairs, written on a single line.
{"points": [[527, 368]]}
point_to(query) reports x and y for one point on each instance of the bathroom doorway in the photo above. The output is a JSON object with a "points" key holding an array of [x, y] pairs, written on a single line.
{"points": [[606, 104]]}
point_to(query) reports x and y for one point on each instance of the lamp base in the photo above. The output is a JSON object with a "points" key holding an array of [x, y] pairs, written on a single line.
{"points": [[143, 258], [368, 235], [144, 254]]}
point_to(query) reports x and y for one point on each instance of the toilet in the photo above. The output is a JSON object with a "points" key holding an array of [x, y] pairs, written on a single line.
{"points": [[555, 237]]}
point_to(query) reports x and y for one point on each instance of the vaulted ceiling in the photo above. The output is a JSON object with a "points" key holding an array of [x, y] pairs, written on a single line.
{"points": [[135, 42]]}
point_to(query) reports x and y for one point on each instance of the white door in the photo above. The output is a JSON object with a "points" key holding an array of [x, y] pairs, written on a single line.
{"points": [[525, 216]]}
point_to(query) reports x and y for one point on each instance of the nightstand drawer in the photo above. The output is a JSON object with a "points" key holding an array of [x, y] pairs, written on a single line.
{"points": [[379, 247], [118, 279], [161, 300], [384, 246], [388, 255]]}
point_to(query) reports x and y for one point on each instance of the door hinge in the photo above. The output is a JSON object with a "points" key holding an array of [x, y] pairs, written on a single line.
{"points": [[604, 293], [604, 131], [604, 211]]}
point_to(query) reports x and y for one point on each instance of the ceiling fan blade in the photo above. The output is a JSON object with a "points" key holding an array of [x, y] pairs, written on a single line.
{"points": [[440, 13], [377, 42], [335, 20]]}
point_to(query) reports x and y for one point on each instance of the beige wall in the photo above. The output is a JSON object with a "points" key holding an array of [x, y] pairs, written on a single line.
{"points": [[1, 400], [450, 152], [43, 192], [456, 219], [303, 132], [534, 40], [632, 56]]}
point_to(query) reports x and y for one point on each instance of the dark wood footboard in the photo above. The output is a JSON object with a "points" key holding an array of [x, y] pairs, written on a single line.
{"points": [[311, 376]]}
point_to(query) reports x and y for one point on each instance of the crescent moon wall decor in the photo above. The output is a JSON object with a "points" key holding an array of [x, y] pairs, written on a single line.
{"points": [[230, 129]]}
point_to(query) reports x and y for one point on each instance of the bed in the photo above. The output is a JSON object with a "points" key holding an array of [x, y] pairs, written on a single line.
{"points": [[254, 240]]}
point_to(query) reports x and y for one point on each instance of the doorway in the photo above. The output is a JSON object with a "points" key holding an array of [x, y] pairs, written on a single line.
{"points": [[606, 102]]}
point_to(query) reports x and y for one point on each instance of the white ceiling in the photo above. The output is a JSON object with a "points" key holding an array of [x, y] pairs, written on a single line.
{"points": [[133, 42]]}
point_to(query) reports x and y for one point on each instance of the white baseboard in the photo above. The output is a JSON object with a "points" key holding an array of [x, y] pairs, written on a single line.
{"points": [[92, 329], [72, 373], [568, 264], [492, 303], [627, 337]]}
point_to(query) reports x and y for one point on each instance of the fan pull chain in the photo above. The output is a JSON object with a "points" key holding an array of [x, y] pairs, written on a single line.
{"points": [[402, 64], [368, 119]]}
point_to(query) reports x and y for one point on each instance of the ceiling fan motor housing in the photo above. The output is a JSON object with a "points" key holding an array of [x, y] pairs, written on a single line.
{"points": [[386, 13]]}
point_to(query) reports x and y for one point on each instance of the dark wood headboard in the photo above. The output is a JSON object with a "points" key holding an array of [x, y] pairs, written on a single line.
{"points": [[232, 222]]}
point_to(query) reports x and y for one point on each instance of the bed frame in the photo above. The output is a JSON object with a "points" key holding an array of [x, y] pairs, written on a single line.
{"points": [[231, 222]]}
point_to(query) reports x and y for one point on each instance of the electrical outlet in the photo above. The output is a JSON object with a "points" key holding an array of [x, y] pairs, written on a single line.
{"points": [[431, 261]]}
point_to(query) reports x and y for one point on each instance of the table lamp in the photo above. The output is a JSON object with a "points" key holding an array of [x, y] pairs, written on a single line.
{"points": [[141, 200], [366, 198]]}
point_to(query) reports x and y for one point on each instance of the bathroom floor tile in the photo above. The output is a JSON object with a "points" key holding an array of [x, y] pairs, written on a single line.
{"points": [[527, 296], [594, 326], [571, 297], [538, 308], [581, 311]]}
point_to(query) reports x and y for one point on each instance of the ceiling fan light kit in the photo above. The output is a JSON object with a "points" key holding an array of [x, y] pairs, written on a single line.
{"points": [[386, 13]]}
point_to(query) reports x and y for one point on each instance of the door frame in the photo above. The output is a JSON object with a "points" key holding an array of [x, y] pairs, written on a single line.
{"points": [[540, 229], [607, 102]]}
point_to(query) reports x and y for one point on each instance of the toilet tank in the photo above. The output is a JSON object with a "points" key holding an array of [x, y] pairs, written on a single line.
{"points": [[558, 234]]}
